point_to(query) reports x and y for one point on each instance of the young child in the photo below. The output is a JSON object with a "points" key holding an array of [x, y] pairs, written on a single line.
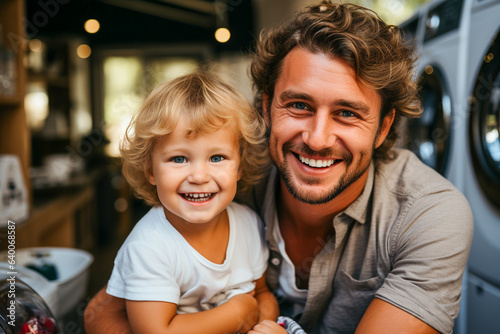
{"points": [[195, 262]]}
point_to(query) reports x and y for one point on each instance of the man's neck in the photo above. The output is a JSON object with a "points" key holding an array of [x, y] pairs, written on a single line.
{"points": [[306, 228], [314, 218]]}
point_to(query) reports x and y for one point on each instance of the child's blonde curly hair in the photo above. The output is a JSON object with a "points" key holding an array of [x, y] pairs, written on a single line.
{"points": [[208, 104]]}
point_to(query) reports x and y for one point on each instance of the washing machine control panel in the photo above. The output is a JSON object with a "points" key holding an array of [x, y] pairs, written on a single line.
{"points": [[442, 19]]}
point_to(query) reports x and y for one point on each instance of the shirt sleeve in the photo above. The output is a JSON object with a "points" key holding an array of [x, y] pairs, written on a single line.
{"points": [[141, 272], [429, 251]]}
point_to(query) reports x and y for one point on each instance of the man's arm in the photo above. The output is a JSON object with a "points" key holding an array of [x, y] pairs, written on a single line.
{"points": [[429, 259], [238, 314], [268, 306], [106, 314], [383, 317]]}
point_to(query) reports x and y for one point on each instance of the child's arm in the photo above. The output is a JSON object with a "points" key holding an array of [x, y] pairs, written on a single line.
{"points": [[268, 306], [238, 314]]}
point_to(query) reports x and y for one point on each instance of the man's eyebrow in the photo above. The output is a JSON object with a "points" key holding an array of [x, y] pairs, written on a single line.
{"points": [[355, 105], [291, 95]]}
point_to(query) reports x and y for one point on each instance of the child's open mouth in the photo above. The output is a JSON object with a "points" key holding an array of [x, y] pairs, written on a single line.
{"points": [[197, 197]]}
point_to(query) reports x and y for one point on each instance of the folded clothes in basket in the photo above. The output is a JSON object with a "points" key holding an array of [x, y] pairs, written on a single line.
{"points": [[48, 270]]}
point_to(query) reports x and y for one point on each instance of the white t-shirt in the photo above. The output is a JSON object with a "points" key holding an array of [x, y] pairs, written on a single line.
{"points": [[155, 263], [287, 288]]}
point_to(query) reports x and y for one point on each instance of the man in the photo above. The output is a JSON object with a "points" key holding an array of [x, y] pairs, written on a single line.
{"points": [[363, 237]]}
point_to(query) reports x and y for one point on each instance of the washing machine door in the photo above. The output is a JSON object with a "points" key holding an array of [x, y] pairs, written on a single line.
{"points": [[484, 124], [22, 311], [429, 135]]}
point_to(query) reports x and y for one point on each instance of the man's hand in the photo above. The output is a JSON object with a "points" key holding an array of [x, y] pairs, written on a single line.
{"points": [[246, 310], [267, 327], [106, 314]]}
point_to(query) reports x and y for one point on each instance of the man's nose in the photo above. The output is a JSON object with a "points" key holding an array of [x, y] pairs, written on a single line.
{"points": [[319, 133]]}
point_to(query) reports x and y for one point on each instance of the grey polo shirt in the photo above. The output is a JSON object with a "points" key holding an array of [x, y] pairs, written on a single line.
{"points": [[404, 240]]}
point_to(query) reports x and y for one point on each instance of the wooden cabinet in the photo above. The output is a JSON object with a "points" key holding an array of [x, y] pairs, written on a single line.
{"points": [[67, 220], [14, 133]]}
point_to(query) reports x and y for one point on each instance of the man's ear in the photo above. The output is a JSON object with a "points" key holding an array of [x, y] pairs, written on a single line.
{"points": [[265, 109], [385, 127]]}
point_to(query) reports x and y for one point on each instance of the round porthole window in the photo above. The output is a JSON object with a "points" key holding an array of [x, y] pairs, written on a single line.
{"points": [[484, 124], [429, 136]]}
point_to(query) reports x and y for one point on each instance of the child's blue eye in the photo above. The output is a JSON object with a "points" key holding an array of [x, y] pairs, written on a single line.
{"points": [[178, 160], [216, 158]]}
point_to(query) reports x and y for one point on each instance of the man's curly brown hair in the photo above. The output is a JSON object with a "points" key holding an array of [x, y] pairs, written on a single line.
{"points": [[381, 57]]}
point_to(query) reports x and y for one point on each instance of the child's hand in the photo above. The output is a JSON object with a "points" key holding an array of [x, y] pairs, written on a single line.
{"points": [[246, 311], [268, 327]]}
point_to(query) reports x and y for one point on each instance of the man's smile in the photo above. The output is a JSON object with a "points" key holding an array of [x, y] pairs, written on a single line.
{"points": [[317, 163]]}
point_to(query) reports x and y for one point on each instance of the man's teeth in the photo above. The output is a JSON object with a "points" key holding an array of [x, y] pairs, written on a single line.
{"points": [[198, 197], [316, 163]]}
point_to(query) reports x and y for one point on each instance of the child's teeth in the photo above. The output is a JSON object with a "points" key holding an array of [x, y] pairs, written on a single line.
{"points": [[202, 196]]}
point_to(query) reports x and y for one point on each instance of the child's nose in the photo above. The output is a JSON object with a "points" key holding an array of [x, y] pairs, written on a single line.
{"points": [[198, 174]]}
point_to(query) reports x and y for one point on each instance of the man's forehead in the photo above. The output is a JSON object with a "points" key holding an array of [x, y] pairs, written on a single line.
{"points": [[312, 75]]}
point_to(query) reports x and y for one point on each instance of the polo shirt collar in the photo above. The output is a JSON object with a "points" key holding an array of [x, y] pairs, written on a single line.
{"points": [[358, 210], [269, 213]]}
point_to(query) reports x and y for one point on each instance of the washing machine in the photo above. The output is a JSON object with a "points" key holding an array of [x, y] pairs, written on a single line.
{"points": [[482, 167], [442, 43], [438, 137]]}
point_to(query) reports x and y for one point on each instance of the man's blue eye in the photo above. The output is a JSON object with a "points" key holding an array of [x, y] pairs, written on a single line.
{"points": [[178, 160], [347, 113], [300, 105], [216, 158]]}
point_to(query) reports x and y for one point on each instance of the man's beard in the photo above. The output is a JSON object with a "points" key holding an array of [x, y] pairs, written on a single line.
{"points": [[345, 180]]}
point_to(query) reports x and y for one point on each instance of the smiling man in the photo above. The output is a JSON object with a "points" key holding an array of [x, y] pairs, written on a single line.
{"points": [[363, 237]]}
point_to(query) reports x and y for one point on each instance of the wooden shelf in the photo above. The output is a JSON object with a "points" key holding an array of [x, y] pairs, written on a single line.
{"points": [[14, 132], [7, 101], [13, 37], [56, 223]]}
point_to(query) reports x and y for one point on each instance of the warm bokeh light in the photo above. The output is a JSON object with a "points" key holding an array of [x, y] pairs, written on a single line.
{"points": [[429, 69], [92, 26], [489, 57], [222, 35], [35, 45], [36, 104], [83, 51]]}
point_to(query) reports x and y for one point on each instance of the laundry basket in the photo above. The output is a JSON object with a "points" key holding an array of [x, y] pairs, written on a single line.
{"points": [[72, 269]]}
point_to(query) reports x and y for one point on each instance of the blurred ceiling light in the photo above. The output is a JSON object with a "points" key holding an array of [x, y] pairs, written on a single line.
{"points": [[83, 51], [35, 45], [92, 26], [222, 35], [36, 103]]}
